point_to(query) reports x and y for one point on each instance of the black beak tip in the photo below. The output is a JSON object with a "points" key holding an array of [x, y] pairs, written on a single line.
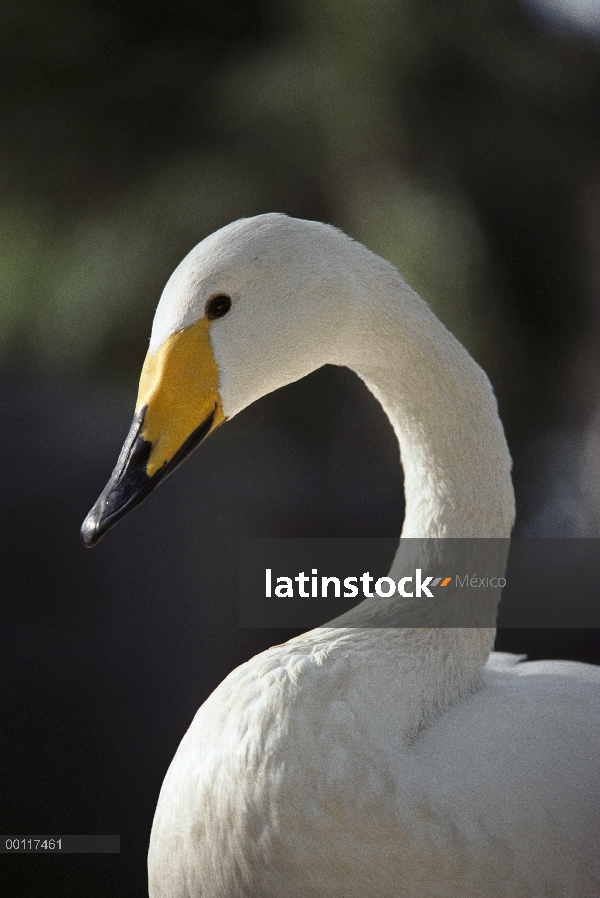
{"points": [[130, 483], [90, 531]]}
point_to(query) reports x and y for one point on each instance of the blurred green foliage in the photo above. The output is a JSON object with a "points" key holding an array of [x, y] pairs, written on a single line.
{"points": [[454, 137]]}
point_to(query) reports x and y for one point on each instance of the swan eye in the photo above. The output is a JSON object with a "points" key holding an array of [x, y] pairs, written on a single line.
{"points": [[218, 306]]}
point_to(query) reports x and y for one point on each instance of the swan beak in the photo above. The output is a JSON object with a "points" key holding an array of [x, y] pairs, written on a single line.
{"points": [[178, 406]]}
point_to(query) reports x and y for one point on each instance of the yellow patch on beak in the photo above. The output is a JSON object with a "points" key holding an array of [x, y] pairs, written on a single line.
{"points": [[179, 385]]}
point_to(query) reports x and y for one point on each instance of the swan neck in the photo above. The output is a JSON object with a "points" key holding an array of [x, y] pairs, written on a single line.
{"points": [[457, 478], [444, 413]]}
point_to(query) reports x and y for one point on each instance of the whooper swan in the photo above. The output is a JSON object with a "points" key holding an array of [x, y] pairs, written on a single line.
{"points": [[354, 762]]}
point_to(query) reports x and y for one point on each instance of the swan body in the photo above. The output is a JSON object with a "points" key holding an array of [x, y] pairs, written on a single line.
{"points": [[295, 779], [353, 760]]}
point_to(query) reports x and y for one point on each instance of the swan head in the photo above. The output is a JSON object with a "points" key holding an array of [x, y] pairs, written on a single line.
{"points": [[255, 306]]}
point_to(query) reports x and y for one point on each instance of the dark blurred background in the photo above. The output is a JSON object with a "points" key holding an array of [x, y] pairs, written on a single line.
{"points": [[458, 138]]}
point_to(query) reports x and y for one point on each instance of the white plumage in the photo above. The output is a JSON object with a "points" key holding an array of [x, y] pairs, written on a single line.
{"points": [[390, 762]]}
